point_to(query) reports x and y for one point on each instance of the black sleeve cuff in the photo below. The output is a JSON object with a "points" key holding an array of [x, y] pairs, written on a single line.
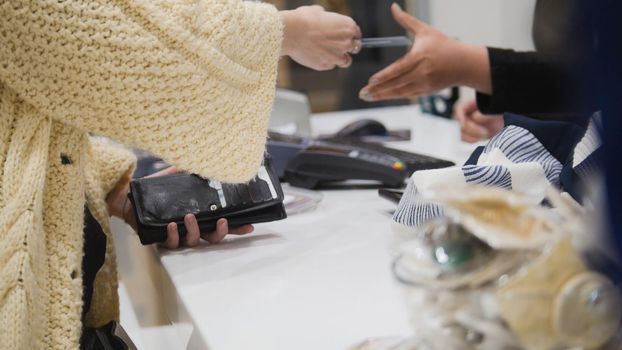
{"points": [[496, 102], [535, 84]]}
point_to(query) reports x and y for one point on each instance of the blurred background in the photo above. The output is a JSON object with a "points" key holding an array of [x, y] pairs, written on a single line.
{"points": [[507, 24]]}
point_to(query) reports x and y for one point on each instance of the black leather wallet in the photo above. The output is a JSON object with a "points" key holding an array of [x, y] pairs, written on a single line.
{"points": [[160, 200]]}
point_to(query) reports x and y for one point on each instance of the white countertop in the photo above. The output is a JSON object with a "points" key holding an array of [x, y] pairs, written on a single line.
{"points": [[317, 280]]}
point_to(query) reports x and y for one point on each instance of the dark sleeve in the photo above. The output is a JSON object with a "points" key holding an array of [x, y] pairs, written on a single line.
{"points": [[533, 83]]}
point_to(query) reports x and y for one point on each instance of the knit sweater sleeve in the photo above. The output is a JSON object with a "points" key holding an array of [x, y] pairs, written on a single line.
{"points": [[106, 166], [190, 81]]}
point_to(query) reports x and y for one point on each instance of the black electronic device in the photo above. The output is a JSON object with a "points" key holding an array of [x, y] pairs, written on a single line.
{"points": [[308, 163], [283, 148], [326, 162], [413, 161], [363, 127]]}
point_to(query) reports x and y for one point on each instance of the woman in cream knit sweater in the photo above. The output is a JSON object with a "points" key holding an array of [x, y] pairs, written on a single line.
{"points": [[191, 81]]}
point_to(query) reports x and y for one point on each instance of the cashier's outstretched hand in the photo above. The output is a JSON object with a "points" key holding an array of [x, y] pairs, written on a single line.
{"points": [[119, 206], [435, 62]]}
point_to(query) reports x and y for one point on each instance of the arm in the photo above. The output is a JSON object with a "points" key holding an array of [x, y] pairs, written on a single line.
{"points": [[105, 166], [120, 206], [109, 172], [192, 82], [533, 83], [506, 81], [434, 62]]}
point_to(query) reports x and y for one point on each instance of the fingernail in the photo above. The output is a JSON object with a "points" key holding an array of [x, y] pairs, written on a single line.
{"points": [[221, 224], [171, 227], [484, 134], [373, 81], [366, 96], [398, 6]]}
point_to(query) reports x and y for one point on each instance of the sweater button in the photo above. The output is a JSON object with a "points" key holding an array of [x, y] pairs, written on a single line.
{"points": [[65, 159]]}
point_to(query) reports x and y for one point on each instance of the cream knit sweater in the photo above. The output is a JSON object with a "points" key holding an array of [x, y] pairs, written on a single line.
{"points": [[189, 80]]}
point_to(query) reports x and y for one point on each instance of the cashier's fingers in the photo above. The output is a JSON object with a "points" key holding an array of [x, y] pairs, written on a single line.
{"points": [[408, 77], [470, 138], [193, 235], [398, 68], [471, 131], [388, 89], [465, 109], [477, 126], [404, 91]]}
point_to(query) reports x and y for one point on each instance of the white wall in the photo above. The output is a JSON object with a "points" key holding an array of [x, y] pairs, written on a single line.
{"points": [[500, 23]]}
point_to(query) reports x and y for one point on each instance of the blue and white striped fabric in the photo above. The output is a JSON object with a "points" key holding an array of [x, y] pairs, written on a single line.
{"points": [[584, 159], [495, 175], [521, 146], [514, 159], [412, 211]]}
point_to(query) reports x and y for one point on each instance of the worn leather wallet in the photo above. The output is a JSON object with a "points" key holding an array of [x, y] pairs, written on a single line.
{"points": [[160, 200]]}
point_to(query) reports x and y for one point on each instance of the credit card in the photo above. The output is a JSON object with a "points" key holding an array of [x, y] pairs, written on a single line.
{"points": [[387, 41]]}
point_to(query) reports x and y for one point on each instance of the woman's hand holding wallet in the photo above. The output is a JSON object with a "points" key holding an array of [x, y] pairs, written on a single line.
{"points": [[121, 207]]}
